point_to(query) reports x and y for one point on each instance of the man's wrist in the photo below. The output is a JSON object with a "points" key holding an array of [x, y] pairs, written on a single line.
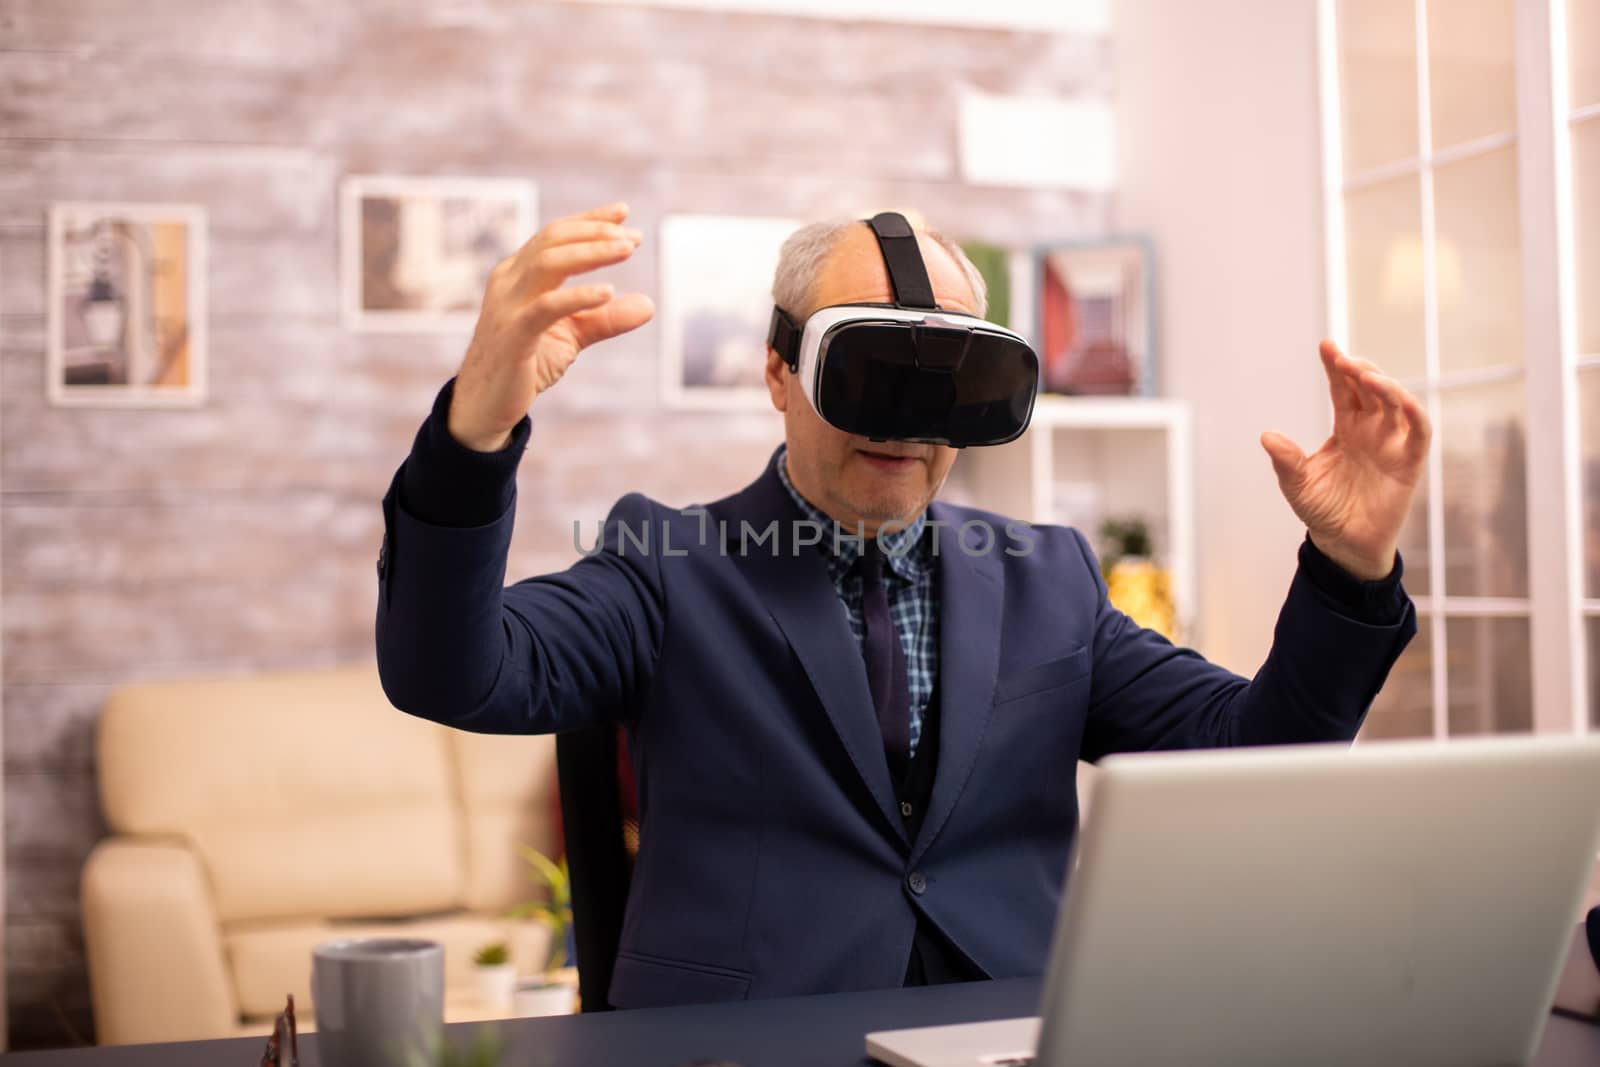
{"points": [[472, 438], [1377, 603], [446, 483], [1359, 566], [478, 442]]}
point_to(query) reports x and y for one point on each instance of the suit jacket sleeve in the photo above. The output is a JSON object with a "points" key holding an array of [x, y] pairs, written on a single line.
{"points": [[566, 650], [1325, 667]]}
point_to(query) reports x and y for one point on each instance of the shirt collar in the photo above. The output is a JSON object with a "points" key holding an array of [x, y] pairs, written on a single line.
{"points": [[904, 551]]}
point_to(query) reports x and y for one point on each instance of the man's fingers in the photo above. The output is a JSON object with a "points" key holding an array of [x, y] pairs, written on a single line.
{"points": [[1399, 408], [1287, 459], [1352, 381], [1402, 408], [557, 304], [1380, 394], [1340, 388], [1418, 422], [1409, 410], [551, 266], [596, 224], [615, 211], [572, 231], [627, 312], [1394, 394]]}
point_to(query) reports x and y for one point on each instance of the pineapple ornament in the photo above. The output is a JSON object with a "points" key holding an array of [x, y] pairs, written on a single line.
{"points": [[1136, 584]]}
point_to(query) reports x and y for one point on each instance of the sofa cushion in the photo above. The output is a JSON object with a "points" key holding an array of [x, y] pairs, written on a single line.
{"points": [[508, 798], [305, 794], [269, 960]]}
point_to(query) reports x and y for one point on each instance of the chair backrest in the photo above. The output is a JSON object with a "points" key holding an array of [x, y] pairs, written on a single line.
{"points": [[598, 860]]}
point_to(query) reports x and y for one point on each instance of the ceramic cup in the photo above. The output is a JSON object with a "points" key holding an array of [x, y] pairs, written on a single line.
{"points": [[379, 1001]]}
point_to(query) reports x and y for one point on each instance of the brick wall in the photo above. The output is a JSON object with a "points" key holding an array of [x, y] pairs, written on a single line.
{"points": [[144, 544]]}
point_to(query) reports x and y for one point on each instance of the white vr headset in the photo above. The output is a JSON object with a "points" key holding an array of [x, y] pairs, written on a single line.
{"points": [[911, 370]]}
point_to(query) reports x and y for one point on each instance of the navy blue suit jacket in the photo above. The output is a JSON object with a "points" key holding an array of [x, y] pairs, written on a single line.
{"points": [[773, 860]]}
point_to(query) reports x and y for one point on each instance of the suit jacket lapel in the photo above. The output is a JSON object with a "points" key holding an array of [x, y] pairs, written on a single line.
{"points": [[971, 605], [796, 589]]}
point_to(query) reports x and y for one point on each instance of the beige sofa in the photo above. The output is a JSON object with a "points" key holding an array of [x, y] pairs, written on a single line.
{"points": [[255, 817]]}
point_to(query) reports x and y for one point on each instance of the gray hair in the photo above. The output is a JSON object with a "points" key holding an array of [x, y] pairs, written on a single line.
{"points": [[808, 247]]}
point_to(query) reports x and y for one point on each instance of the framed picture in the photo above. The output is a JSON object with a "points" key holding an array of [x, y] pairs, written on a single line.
{"points": [[126, 288], [1007, 274], [1094, 304], [994, 266], [716, 305], [416, 253]]}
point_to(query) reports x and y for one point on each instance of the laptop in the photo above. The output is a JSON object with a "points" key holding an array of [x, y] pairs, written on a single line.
{"points": [[1578, 991], [1396, 903]]}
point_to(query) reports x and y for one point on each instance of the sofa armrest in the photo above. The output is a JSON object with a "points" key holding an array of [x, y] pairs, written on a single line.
{"points": [[156, 967]]}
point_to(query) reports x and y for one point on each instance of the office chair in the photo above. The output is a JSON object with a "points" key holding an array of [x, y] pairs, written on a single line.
{"points": [[589, 766]]}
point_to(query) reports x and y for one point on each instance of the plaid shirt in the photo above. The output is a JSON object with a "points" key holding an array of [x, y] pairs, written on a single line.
{"points": [[908, 578]]}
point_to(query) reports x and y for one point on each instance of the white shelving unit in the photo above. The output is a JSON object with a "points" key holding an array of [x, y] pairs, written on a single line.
{"points": [[1085, 459]]}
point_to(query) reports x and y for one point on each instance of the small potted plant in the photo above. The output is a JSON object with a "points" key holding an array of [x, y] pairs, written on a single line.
{"points": [[484, 1050], [548, 994], [497, 975]]}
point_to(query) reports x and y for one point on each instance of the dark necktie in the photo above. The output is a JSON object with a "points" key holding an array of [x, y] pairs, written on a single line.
{"points": [[886, 662]]}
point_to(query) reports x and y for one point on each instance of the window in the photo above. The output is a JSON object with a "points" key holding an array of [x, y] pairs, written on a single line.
{"points": [[1582, 119], [1445, 221]]}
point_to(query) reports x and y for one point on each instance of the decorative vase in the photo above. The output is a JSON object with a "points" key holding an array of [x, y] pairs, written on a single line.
{"points": [[496, 983], [536, 997]]}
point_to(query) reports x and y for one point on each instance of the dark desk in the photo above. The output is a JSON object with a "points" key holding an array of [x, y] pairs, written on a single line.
{"points": [[800, 1032]]}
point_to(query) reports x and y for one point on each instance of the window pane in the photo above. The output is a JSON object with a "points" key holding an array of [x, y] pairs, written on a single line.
{"points": [[1383, 224], [1593, 626], [1583, 35], [1471, 72], [1589, 431], [1485, 491], [1377, 82], [1490, 683], [1586, 231], [1414, 543], [1478, 261], [1404, 707]]}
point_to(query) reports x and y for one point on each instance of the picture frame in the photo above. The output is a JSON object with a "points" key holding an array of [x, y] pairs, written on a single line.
{"points": [[416, 252], [1008, 273], [715, 285], [1094, 317], [126, 294]]}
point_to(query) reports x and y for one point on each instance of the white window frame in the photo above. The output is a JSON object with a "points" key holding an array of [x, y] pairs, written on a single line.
{"points": [[1555, 607]]}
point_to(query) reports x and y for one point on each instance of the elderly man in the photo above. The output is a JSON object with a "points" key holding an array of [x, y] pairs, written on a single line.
{"points": [[855, 754]]}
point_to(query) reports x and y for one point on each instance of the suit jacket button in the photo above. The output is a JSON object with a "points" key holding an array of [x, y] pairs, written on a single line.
{"points": [[917, 882], [905, 808]]}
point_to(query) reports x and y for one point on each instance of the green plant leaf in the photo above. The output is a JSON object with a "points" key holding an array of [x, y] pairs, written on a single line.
{"points": [[485, 1050], [555, 912], [492, 955], [552, 874]]}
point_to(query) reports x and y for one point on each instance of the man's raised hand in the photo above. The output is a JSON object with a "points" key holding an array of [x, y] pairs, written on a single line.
{"points": [[532, 325], [1354, 492]]}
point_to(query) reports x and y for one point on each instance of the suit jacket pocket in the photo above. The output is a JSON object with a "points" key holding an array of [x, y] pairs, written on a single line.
{"points": [[641, 981], [1050, 675]]}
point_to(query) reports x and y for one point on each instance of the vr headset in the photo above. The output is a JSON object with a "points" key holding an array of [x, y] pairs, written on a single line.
{"points": [[910, 370]]}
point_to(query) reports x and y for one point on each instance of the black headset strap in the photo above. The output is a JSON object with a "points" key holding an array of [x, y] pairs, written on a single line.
{"points": [[908, 277], [783, 336]]}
